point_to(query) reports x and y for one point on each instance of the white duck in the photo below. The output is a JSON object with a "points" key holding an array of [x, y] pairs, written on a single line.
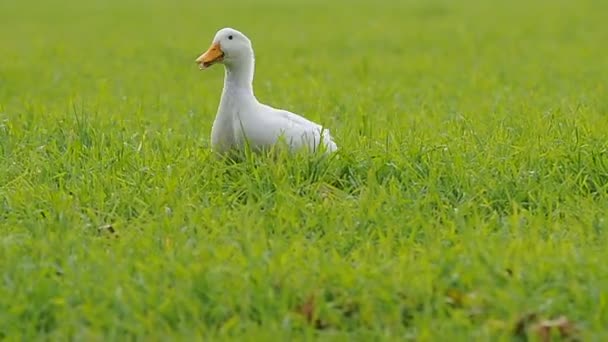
{"points": [[240, 118]]}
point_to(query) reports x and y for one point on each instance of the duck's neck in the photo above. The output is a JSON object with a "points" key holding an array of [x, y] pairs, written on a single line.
{"points": [[239, 76]]}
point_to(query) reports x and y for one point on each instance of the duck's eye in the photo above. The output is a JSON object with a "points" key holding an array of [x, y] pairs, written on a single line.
{"points": [[230, 37]]}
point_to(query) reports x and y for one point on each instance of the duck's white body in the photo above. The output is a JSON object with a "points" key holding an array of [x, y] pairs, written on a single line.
{"points": [[243, 121]]}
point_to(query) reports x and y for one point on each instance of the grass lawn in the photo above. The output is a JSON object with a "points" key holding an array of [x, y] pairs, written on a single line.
{"points": [[470, 189]]}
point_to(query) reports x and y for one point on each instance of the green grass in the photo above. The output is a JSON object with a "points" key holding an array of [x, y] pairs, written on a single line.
{"points": [[469, 190]]}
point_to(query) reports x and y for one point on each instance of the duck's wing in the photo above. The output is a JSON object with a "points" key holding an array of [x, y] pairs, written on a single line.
{"points": [[299, 131]]}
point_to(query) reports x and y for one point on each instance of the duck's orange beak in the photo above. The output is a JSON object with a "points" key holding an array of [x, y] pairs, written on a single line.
{"points": [[213, 55]]}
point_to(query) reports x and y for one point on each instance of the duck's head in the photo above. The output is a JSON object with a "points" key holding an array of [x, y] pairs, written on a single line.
{"points": [[229, 47]]}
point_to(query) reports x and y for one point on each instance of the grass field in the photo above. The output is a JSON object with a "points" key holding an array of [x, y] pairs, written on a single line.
{"points": [[470, 188]]}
